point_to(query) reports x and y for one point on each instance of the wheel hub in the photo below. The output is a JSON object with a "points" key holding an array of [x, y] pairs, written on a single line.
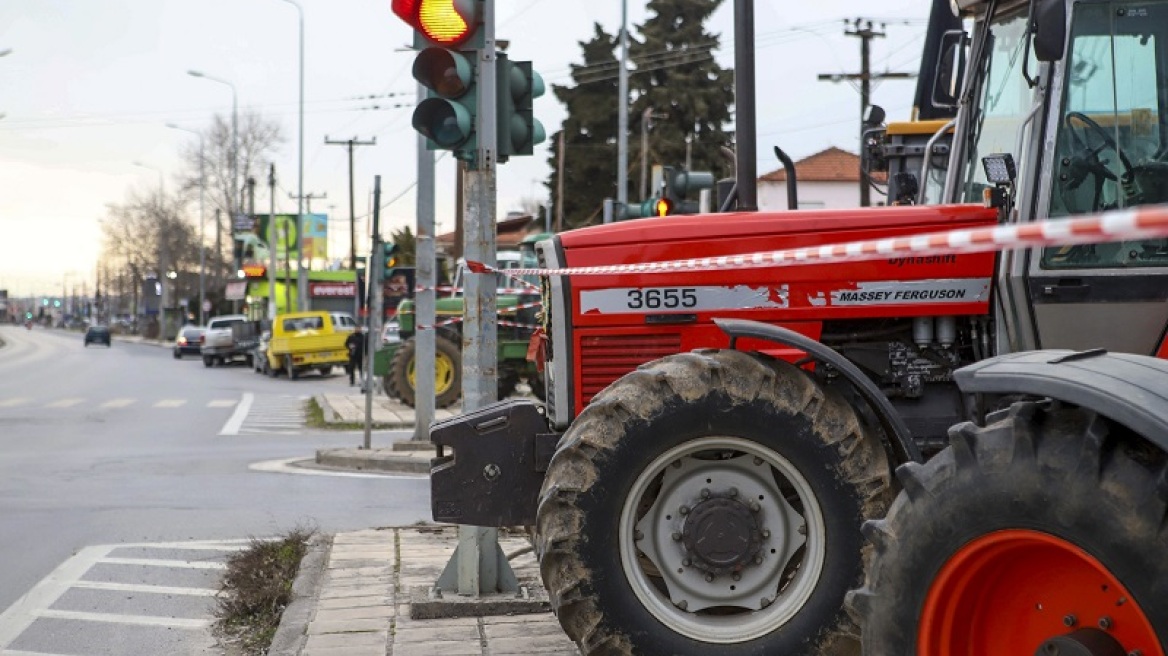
{"points": [[1084, 642], [722, 534]]}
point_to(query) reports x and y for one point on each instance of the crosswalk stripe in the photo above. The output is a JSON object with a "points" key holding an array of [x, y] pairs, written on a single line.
{"points": [[12, 403], [143, 620], [118, 403], [171, 403], [65, 403], [161, 562], [223, 403], [152, 589]]}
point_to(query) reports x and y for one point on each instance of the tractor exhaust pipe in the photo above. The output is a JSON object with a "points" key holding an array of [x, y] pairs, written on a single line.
{"points": [[792, 183], [746, 129]]}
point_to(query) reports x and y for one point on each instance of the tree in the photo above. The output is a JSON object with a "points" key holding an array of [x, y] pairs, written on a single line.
{"points": [[258, 138], [589, 132], [406, 245], [674, 74]]}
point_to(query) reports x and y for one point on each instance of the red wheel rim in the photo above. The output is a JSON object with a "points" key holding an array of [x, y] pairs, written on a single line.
{"points": [[1009, 591]]}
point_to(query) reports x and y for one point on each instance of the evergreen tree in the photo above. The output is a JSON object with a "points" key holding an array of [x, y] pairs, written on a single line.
{"points": [[673, 72], [676, 76], [589, 132]]}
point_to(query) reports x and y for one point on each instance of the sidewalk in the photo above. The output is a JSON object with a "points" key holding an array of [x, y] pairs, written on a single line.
{"points": [[355, 593]]}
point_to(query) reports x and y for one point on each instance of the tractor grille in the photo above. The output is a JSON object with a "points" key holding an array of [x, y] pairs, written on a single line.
{"points": [[606, 358]]}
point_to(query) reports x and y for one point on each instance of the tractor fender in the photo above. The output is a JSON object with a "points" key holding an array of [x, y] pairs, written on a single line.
{"points": [[1131, 390], [900, 445]]}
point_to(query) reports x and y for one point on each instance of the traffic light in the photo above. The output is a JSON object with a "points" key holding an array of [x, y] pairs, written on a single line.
{"points": [[518, 129], [388, 258], [655, 206], [447, 116], [679, 183]]}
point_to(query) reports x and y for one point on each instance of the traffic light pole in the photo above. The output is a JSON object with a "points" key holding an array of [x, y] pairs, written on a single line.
{"points": [[479, 565], [427, 281]]}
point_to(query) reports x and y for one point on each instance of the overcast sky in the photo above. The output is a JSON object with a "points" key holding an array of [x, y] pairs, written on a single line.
{"points": [[90, 85]]}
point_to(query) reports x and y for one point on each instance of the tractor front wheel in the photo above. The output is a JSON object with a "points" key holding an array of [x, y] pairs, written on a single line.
{"points": [[447, 372], [710, 503], [1040, 533]]}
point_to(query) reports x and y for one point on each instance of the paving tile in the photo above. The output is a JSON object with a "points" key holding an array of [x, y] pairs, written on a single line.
{"points": [[375, 625]]}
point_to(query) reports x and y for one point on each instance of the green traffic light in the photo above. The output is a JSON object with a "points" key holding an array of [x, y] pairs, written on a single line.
{"points": [[445, 72], [447, 124]]}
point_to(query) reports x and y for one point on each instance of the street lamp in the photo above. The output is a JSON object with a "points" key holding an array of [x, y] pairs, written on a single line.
{"points": [[202, 221], [231, 189], [302, 271]]}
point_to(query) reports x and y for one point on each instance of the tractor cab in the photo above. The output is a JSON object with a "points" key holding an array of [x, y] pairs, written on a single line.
{"points": [[1074, 96]]}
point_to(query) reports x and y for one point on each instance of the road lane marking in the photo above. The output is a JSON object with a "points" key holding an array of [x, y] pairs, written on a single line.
{"points": [[12, 403], [21, 614], [141, 620], [151, 589], [119, 403], [65, 403], [224, 403], [286, 466], [160, 562], [240, 414], [171, 403]]}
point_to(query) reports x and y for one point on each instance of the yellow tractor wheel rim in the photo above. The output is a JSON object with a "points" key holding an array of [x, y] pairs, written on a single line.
{"points": [[443, 373]]}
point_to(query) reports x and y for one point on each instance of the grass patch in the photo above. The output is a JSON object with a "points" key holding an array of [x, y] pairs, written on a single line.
{"points": [[256, 589], [314, 414]]}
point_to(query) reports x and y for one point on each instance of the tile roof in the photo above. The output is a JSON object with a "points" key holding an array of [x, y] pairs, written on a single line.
{"points": [[831, 165]]}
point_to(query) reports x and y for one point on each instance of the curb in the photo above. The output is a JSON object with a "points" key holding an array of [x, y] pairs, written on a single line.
{"points": [[374, 459], [293, 630]]}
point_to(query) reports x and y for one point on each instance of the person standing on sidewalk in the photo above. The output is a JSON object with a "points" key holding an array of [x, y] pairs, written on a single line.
{"points": [[356, 343]]}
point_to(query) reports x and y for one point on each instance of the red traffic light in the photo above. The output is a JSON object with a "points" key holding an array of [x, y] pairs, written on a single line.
{"points": [[444, 22]]}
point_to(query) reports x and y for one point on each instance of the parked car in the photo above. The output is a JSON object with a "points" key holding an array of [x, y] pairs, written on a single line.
{"points": [[229, 337], [303, 341], [97, 335], [189, 341]]}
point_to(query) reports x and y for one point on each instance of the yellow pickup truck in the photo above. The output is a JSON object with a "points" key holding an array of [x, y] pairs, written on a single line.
{"points": [[302, 341]]}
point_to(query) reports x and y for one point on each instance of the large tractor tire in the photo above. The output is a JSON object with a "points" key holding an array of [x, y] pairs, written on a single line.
{"points": [[447, 372], [1041, 533], [710, 503]]}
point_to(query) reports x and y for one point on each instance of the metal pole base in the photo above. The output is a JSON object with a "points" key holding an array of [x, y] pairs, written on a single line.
{"points": [[478, 565]]}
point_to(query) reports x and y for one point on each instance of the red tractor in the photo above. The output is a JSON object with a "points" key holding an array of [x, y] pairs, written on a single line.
{"points": [[962, 454]]}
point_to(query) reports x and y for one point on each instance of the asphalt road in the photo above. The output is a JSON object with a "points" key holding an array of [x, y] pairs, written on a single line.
{"points": [[124, 482]]}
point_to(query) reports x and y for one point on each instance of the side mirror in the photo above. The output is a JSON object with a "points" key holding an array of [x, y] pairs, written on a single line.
{"points": [[948, 76], [1050, 30]]}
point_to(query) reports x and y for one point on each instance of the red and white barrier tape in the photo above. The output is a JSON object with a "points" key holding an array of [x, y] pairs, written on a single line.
{"points": [[1139, 223], [528, 288], [500, 322], [513, 308]]}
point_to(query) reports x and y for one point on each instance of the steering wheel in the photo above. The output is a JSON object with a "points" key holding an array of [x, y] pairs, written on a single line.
{"points": [[1086, 162]]}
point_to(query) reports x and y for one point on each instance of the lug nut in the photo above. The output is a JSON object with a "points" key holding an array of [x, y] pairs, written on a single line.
{"points": [[757, 460], [683, 510], [733, 492], [677, 464], [687, 562], [764, 602], [802, 529], [637, 535], [709, 578], [766, 534], [736, 576], [705, 493], [676, 536], [683, 604], [1105, 623], [758, 560], [1070, 620], [754, 507]]}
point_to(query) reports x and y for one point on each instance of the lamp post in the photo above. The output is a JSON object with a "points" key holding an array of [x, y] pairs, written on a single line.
{"points": [[231, 188], [302, 271], [202, 221]]}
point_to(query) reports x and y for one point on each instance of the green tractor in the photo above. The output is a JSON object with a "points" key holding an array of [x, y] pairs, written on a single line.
{"points": [[395, 362]]}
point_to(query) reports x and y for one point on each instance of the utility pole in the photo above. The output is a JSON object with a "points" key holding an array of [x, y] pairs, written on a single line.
{"points": [[647, 117], [560, 184], [350, 144], [622, 131], [271, 237], [864, 30], [307, 198]]}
